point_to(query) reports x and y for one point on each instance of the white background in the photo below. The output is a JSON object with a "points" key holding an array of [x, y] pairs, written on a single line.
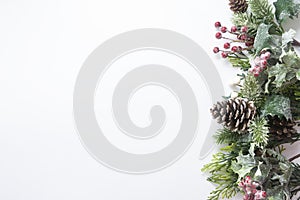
{"points": [[42, 47]]}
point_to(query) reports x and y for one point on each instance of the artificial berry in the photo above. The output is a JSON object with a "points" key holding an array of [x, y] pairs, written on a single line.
{"points": [[244, 29], [234, 49], [264, 62], [248, 44], [243, 36], [218, 24], [218, 35], [224, 54], [223, 29], [227, 45], [233, 29], [216, 50]]}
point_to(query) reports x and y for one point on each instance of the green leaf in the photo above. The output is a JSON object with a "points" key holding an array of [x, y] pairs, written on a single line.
{"points": [[291, 59], [298, 74], [262, 171], [279, 71], [263, 38], [277, 105], [243, 165], [288, 37], [286, 9]]}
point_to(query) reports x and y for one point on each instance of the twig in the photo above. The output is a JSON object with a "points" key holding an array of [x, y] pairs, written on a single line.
{"points": [[295, 157], [296, 43]]}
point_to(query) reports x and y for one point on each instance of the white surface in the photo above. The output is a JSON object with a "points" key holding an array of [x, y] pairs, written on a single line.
{"points": [[42, 47]]}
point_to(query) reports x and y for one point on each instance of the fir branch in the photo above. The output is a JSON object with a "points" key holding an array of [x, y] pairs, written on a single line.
{"points": [[251, 90], [242, 63], [222, 174], [259, 130], [261, 9], [226, 136]]}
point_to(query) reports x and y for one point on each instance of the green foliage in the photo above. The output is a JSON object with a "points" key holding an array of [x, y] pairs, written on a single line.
{"points": [[277, 105], [261, 9], [247, 19], [240, 63], [222, 174], [259, 131], [251, 89], [286, 9], [243, 165], [263, 38], [226, 136], [279, 71]]}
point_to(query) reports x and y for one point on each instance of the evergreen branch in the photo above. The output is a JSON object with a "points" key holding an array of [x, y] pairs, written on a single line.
{"points": [[251, 90], [261, 9], [259, 130], [226, 136]]}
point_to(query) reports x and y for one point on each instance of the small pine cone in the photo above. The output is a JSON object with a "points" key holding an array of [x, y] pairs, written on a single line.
{"points": [[238, 6], [281, 128], [235, 114]]}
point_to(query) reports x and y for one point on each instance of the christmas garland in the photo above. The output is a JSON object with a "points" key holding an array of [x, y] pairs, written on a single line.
{"points": [[261, 116]]}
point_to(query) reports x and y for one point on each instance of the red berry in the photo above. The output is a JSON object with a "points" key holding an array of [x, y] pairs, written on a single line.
{"points": [[264, 194], [227, 45], [234, 49], [264, 62], [243, 37], [224, 54], [218, 35], [233, 29], [218, 24], [256, 74], [248, 44], [216, 50], [244, 29], [223, 29]]}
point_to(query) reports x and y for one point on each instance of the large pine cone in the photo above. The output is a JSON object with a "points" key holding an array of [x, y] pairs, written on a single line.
{"points": [[281, 128], [235, 114], [238, 6]]}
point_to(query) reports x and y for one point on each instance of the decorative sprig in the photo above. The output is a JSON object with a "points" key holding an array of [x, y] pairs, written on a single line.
{"points": [[261, 116]]}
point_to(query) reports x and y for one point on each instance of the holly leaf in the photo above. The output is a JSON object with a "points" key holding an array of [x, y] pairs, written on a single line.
{"points": [[291, 59], [277, 105], [286, 9], [280, 72], [243, 165], [262, 171], [288, 37], [263, 38]]}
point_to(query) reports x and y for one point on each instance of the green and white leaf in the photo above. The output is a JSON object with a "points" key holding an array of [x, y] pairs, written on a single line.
{"points": [[263, 38], [243, 165], [285, 9], [277, 105], [288, 37], [298, 74], [279, 71]]}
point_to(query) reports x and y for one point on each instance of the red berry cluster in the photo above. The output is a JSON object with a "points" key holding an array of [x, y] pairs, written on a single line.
{"points": [[260, 63], [245, 41], [252, 189]]}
